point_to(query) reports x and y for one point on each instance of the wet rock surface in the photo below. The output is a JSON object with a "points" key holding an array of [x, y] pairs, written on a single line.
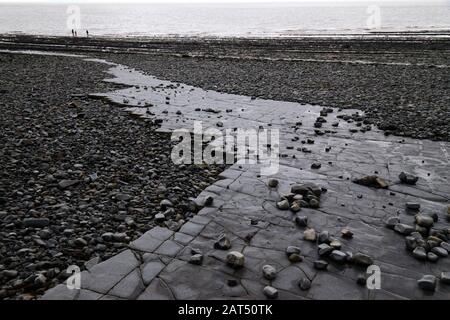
{"points": [[245, 209], [406, 100], [80, 178]]}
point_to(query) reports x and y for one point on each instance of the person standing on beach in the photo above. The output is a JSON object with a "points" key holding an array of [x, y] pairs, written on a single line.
{"points": [[87, 33], [73, 33]]}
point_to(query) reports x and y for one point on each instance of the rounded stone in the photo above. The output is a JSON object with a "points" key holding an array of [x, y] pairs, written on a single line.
{"points": [[283, 205], [427, 282], [413, 205], [309, 235], [346, 233], [270, 292], [295, 257], [314, 204], [269, 272], [295, 206], [419, 253], [292, 249], [320, 264], [338, 256], [196, 259], [432, 257], [304, 284], [272, 183], [391, 222], [362, 259], [301, 221], [440, 251], [235, 259], [223, 243], [424, 220]]}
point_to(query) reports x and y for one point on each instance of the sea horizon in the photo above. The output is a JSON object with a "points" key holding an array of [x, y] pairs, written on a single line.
{"points": [[223, 20]]}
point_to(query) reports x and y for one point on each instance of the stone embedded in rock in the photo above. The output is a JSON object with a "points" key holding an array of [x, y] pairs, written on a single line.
{"points": [[324, 249], [269, 272], [362, 259], [309, 235], [427, 282], [391, 222], [272, 183], [36, 222], [413, 205], [420, 253], [403, 229], [304, 284], [196, 259], [408, 178], [320, 264], [445, 277], [283, 205], [223, 243], [301, 221], [270, 292], [424, 220], [440, 251], [235, 259], [64, 184], [338, 256], [372, 181]]}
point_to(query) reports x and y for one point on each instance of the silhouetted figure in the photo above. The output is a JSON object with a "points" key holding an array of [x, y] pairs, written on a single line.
{"points": [[87, 33], [76, 33], [73, 33]]}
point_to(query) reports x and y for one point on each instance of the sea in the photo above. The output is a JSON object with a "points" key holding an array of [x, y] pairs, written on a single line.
{"points": [[252, 20]]}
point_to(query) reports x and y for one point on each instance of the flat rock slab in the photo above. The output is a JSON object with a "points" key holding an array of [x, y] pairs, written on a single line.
{"points": [[244, 208]]}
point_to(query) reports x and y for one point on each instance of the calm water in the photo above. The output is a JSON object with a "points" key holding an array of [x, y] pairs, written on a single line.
{"points": [[251, 20]]}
